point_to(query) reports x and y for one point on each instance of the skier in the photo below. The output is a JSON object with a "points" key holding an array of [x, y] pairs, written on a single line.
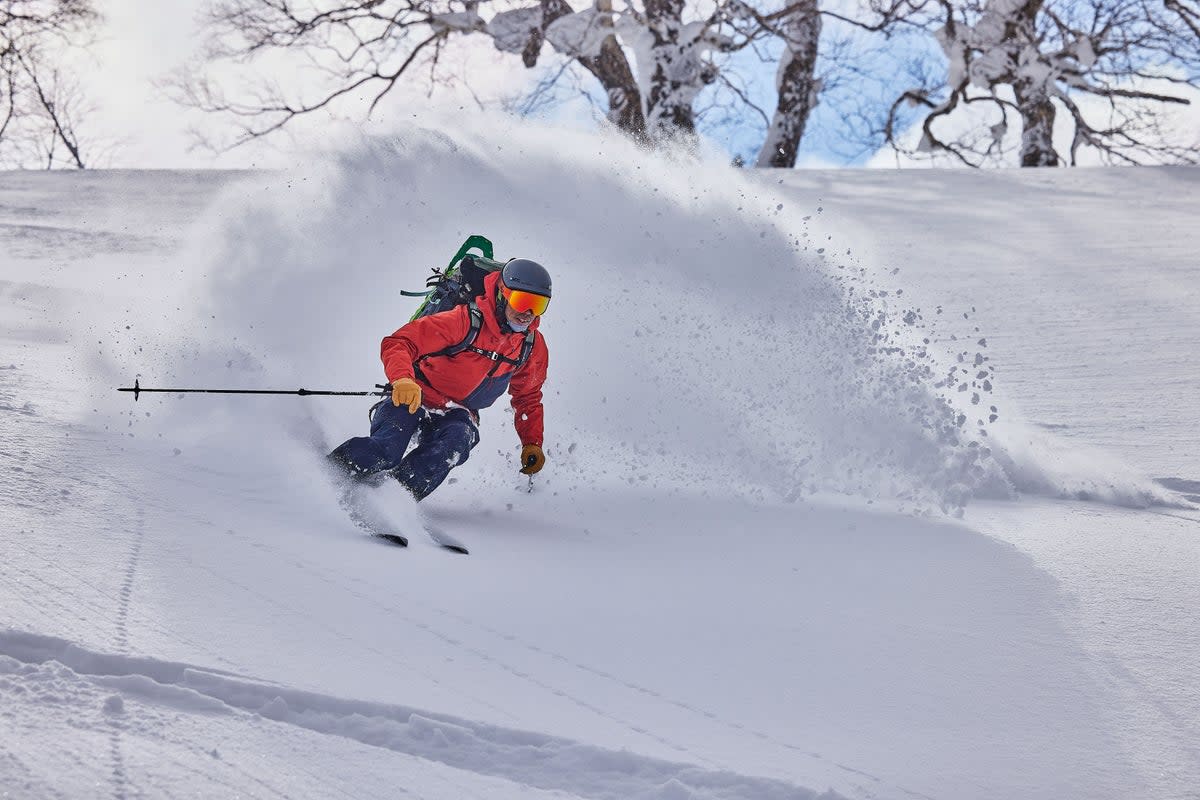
{"points": [[437, 396]]}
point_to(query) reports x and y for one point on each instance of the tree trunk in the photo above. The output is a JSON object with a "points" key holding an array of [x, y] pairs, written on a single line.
{"points": [[612, 69], [1032, 90], [1037, 126], [798, 86], [672, 74]]}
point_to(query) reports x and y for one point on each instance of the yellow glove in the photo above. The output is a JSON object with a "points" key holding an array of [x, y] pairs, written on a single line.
{"points": [[532, 459], [406, 392]]}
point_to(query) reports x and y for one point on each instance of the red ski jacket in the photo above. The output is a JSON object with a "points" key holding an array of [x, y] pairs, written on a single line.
{"points": [[470, 379]]}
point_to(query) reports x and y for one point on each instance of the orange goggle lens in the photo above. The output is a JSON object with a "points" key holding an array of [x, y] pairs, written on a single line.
{"points": [[521, 301]]}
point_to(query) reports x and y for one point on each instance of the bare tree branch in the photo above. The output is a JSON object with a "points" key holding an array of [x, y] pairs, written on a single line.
{"points": [[360, 43], [56, 111], [40, 100]]}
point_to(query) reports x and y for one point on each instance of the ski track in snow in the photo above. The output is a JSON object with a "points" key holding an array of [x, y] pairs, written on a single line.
{"points": [[122, 641], [334, 579], [124, 504], [135, 553], [542, 761], [397, 611], [331, 579]]}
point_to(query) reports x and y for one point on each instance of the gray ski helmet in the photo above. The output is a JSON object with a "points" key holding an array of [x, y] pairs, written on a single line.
{"points": [[526, 276]]}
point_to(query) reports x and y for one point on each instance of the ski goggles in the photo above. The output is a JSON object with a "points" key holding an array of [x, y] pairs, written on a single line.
{"points": [[522, 301]]}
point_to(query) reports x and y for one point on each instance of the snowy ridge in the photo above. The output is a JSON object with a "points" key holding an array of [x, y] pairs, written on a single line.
{"points": [[542, 762]]}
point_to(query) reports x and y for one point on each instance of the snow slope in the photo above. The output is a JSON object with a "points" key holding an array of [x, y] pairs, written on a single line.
{"points": [[697, 599]]}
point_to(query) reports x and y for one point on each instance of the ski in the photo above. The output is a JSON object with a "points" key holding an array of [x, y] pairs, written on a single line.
{"points": [[444, 540], [374, 525], [355, 500]]}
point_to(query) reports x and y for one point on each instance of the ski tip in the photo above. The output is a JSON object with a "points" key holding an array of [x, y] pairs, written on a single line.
{"points": [[445, 540], [392, 538]]}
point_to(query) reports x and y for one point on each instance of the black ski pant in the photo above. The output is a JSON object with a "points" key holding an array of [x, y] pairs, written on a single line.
{"points": [[443, 440]]}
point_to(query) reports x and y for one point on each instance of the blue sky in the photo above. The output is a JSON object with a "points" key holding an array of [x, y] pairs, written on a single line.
{"points": [[835, 134]]}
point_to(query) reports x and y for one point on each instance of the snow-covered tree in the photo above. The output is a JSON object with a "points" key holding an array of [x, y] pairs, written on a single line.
{"points": [[652, 59], [797, 86], [1112, 67], [39, 100], [588, 37]]}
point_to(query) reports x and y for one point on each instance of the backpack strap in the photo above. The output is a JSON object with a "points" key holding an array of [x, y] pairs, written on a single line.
{"points": [[476, 317], [468, 343], [476, 322], [518, 362], [526, 349]]}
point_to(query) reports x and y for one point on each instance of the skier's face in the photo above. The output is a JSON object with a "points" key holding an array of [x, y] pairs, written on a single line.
{"points": [[518, 319]]}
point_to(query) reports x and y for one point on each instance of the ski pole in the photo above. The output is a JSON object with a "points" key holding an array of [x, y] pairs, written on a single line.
{"points": [[382, 390]]}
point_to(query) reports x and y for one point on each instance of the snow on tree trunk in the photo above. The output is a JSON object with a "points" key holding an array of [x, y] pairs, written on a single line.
{"points": [[581, 33], [590, 37], [518, 31], [1032, 84], [797, 85], [674, 70], [587, 37], [612, 69], [1037, 124], [655, 104], [1003, 47]]}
